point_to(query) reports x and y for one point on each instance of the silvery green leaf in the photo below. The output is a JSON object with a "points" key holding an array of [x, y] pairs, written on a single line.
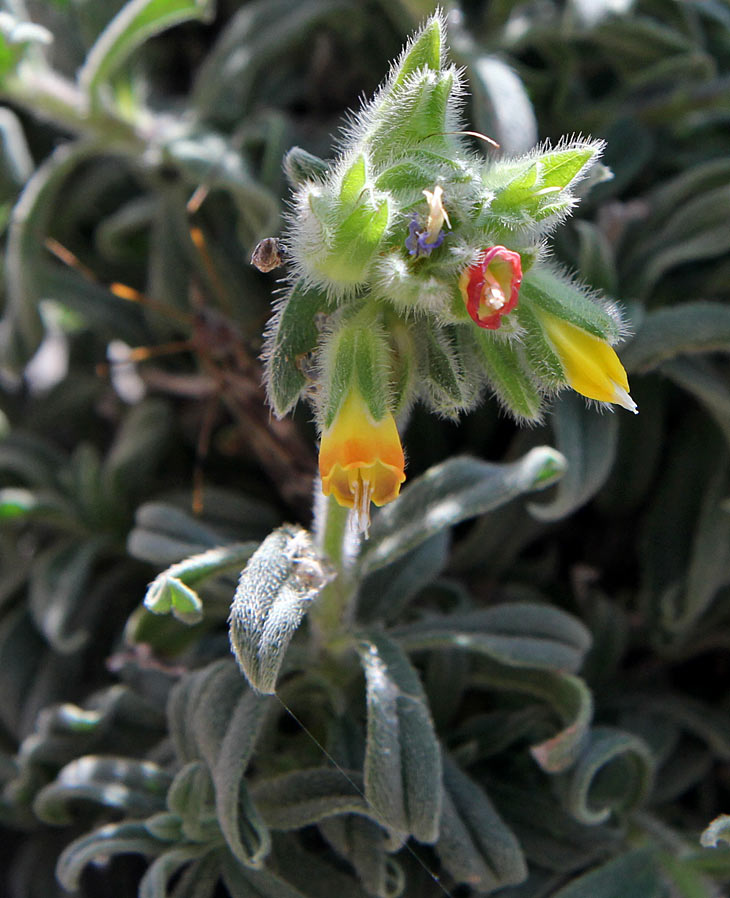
{"points": [[614, 772], [709, 567], [282, 578], [307, 796], [138, 444], [191, 797], [716, 831], [26, 259], [136, 787], [157, 876], [569, 697], [311, 872], [588, 443], [684, 329], [213, 715], [247, 882], [172, 590], [200, 879], [631, 875], [58, 585], [707, 383], [257, 34], [475, 845], [362, 842], [301, 166], [16, 162], [164, 533], [132, 26], [386, 592], [100, 845], [523, 634], [454, 491], [402, 757], [694, 232]]}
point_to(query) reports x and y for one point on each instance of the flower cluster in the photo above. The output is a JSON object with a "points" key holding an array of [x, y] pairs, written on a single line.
{"points": [[417, 273]]}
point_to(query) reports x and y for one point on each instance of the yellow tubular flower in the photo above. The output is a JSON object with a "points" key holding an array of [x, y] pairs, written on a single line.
{"points": [[360, 459], [591, 366]]}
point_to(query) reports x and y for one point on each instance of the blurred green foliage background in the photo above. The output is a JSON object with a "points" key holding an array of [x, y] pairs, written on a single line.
{"points": [[593, 783]]}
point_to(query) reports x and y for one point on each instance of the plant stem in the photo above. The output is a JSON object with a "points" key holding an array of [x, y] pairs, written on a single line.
{"points": [[330, 529]]}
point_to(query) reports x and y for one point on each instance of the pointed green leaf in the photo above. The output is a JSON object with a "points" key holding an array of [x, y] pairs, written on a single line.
{"points": [[423, 51], [353, 182], [291, 335]]}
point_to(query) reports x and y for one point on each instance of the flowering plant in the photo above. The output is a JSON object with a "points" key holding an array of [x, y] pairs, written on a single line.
{"points": [[425, 267]]}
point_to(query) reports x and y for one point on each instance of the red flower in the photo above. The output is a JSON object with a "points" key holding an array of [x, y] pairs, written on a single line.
{"points": [[491, 286]]}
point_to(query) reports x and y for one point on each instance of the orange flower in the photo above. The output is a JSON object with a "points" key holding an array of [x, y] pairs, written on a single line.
{"points": [[491, 286], [361, 459]]}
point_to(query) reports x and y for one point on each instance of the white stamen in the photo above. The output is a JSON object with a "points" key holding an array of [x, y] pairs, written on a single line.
{"points": [[622, 398], [494, 297], [362, 493]]}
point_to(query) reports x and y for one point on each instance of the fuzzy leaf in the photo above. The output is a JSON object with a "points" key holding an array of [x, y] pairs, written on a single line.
{"points": [[307, 796], [568, 695], [588, 442], [386, 592], [716, 831], [613, 773], [423, 51], [301, 166], [214, 715], [101, 844], [454, 491], [58, 584], [632, 875], [509, 375], [245, 882], [291, 336], [157, 876], [191, 797], [475, 845], [687, 328], [522, 634], [402, 758], [136, 787], [284, 575], [171, 590], [130, 28]]}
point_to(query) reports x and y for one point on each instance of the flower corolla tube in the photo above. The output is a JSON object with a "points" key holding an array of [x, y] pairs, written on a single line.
{"points": [[491, 286], [590, 365], [360, 459]]}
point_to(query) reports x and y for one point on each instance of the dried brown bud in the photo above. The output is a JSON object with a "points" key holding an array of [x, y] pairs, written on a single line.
{"points": [[267, 255]]}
